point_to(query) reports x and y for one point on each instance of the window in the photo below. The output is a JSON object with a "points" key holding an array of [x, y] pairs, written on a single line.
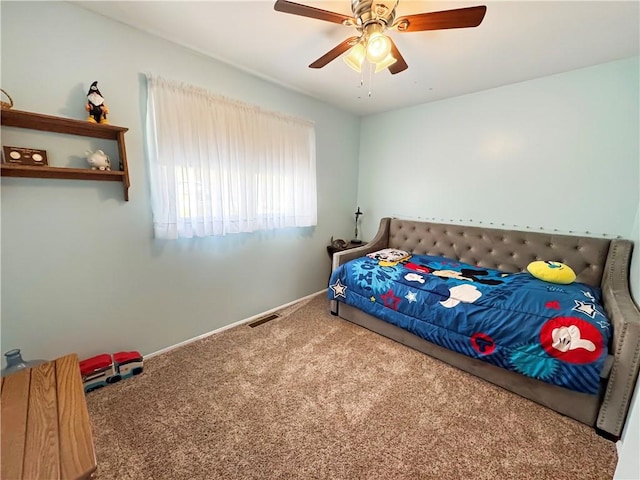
{"points": [[219, 166]]}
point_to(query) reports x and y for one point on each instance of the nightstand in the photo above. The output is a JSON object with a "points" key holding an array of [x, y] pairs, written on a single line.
{"points": [[333, 249]]}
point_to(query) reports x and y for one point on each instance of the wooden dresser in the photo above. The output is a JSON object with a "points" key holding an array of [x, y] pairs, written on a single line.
{"points": [[45, 424]]}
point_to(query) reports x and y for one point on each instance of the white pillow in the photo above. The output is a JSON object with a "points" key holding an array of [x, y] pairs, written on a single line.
{"points": [[389, 255]]}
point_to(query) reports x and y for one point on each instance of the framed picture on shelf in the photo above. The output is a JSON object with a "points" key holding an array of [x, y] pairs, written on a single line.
{"points": [[24, 156]]}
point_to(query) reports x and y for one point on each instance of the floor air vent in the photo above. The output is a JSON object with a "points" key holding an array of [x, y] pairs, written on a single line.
{"points": [[266, 319]]}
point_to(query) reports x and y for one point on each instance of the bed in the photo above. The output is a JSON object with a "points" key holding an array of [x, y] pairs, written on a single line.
{"points": [[463, 294]]}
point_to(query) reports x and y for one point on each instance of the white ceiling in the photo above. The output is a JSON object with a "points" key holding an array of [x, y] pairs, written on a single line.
{"points": [[517, 41]]}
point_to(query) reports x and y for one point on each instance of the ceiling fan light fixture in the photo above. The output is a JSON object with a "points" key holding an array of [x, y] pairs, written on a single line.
{"points": [[372, 18], [355, 57], [386, 63]]}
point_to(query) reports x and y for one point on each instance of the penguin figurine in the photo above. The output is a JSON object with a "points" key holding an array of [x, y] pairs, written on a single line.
{"points": [[95, 105]]}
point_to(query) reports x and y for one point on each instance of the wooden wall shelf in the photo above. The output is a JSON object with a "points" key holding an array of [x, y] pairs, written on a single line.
{"points": [[49, 123], [9, 170]]}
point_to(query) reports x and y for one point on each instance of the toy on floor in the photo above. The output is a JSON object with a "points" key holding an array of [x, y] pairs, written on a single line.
{"points": [[104, 369], [95, 105]]}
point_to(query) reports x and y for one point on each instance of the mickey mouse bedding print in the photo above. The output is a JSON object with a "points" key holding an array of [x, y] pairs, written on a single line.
{"points": [[554, 333]]}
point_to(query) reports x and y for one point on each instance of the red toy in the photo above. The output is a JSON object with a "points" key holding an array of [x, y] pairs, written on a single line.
{"points": [[104, 369]]}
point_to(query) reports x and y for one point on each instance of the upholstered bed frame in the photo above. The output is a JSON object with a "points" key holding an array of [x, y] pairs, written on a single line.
{"points": [[599, 262]]}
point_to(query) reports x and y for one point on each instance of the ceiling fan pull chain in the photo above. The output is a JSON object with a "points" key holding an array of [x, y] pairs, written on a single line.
{"points": [[370, 77]]}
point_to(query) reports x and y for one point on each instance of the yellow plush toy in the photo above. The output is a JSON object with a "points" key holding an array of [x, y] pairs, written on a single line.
{"points": [[553, 272]]}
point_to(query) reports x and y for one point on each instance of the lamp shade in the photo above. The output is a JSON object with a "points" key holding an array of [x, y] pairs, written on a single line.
{"points": [[355, 57], [378, 44], [387, 62]]}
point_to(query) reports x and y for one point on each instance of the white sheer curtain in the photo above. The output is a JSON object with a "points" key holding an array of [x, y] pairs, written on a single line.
{"points": [[219, 166]]}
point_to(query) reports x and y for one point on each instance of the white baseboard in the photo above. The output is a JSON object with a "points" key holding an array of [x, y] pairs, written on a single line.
{"points": [[235, 324]]}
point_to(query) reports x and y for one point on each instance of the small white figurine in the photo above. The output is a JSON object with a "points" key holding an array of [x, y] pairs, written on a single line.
{"points": [[98, 160]]}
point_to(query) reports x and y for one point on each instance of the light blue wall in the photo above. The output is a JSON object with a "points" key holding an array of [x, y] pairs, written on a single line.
{"points": [[560, 152], [557, 152], [80, 269]]}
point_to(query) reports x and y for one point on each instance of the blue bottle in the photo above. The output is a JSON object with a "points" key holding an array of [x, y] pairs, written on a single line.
{"points": [[15, 363]]}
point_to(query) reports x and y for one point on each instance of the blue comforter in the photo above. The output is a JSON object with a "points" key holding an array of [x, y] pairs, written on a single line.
{"points": [[554, 333]]}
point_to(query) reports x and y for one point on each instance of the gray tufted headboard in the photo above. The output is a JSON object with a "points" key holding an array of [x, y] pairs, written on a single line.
{"points": [[505, 250]]}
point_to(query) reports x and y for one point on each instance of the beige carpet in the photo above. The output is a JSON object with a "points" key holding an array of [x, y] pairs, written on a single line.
{"points": [[311, 396]]}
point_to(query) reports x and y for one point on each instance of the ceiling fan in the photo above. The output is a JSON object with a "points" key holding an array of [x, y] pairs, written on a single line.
{"points": [[372, 18]]}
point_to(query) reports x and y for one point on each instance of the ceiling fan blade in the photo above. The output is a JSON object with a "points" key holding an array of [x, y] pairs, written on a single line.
{"points": [[400, 65], [334, 52], [457, 18], [311, 12]]}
